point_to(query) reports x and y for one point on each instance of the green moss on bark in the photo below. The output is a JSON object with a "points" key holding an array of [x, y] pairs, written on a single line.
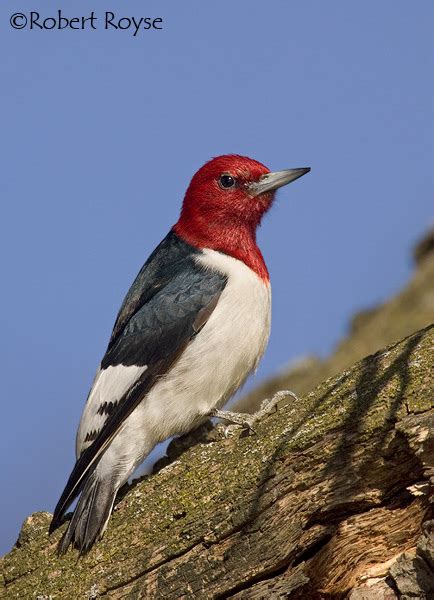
{"points": [[213, 491]]}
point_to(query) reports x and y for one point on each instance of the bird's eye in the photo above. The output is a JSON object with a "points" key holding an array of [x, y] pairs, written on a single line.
{"points": [[227, 181]]}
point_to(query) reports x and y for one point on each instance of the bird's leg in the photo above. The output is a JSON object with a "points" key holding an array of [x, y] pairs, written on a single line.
{"points": [[247, 420]]}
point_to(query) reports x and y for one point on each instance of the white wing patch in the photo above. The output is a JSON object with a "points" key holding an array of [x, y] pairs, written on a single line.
{"points": [[108, 387]]}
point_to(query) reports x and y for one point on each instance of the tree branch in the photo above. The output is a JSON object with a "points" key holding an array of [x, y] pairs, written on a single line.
{"points": [[329, 500]]}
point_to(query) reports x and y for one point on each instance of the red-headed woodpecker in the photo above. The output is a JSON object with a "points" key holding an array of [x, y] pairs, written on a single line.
{"points": [[193, 326]]}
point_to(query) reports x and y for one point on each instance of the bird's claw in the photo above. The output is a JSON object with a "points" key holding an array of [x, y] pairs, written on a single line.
{"points": [[238, 419], [268, 404], [229, 429], [247, 421], [247, 425]]}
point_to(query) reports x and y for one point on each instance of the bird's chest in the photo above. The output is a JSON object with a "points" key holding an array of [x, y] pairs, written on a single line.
{"points": [[228, 348], [238, 329]]}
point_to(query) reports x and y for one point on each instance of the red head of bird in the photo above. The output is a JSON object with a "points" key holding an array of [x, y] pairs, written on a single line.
{"points": [[224, 205]]}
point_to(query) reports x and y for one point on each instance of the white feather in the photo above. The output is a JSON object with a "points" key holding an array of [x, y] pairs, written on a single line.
{"points": [[214, 365], [109, 385]]}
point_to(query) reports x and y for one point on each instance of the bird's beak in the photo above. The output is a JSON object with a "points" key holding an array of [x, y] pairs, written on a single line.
{"points": [[272, 181]]}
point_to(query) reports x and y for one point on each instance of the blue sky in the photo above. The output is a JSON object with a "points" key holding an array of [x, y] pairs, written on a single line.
{"points": [[101, 132]]}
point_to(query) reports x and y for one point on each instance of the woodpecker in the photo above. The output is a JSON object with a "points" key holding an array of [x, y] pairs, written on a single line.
{"points": [[192, 327]]}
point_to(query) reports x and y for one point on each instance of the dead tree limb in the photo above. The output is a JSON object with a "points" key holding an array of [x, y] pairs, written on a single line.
{"points": [[331, 499]]}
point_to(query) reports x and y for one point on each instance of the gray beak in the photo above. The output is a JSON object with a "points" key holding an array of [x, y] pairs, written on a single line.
{"points": [[272, 181]]}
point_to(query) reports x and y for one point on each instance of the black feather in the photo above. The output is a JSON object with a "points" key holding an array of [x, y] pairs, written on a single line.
{"points": [[165, 262], [106, 408], [90, 516]]}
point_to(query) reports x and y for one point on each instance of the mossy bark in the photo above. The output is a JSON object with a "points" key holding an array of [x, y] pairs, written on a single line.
{"points": [[331, 499]]}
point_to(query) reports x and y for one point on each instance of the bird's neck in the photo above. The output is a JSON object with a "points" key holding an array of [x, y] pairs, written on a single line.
{"points": [[235, 239]]}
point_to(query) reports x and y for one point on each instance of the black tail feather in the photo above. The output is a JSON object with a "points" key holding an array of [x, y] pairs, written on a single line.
{"points": [[82, 470], [90, 515]]}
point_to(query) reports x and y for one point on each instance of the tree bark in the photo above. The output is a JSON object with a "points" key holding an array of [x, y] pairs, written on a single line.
{"points": [[330, 499]]}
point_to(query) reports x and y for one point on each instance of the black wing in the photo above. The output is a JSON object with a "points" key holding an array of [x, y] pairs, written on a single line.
{"points": [[155, 324], [169, 258]]}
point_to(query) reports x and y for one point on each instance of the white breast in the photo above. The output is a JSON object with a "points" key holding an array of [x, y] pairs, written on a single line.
{"points": [[219, 359]]}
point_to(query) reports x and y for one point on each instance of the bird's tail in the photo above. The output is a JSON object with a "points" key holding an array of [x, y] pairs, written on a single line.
{"points": [[91, 514]]}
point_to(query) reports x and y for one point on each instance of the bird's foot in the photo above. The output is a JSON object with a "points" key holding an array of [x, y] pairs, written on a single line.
{"points": [[246, 421], [268, 405], [243, 420]]}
